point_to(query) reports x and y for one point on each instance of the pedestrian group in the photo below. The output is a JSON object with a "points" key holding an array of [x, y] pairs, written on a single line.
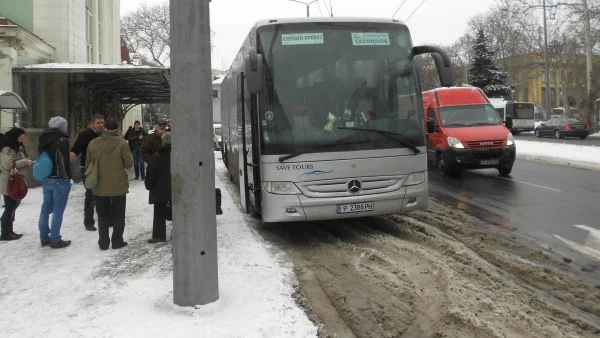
{"points": [[104, 157]]}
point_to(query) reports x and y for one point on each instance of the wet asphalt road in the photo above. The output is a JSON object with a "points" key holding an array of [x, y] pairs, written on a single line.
{"points": [[538, 202], [590, 141]]}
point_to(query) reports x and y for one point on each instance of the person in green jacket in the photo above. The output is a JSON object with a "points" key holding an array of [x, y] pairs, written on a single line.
{"points": [[113, 157]]}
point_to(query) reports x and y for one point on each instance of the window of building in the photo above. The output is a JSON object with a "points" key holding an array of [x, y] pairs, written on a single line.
{"points": [[28, 86], [89, 34], [215, 93]]}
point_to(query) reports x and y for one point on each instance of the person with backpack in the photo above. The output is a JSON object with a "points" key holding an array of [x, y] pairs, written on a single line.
{"points": [[12, 157], [53, 167]]}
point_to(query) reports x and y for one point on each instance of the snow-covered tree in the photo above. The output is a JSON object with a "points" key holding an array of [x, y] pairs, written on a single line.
{"points": [[483, 73]]}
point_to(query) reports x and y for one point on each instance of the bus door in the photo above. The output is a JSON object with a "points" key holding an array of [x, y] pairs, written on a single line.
{"points": [[241, 146], [251, 149]]}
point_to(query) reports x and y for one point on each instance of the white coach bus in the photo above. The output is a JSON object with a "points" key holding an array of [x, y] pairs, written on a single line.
{"points": [[322, 118]]}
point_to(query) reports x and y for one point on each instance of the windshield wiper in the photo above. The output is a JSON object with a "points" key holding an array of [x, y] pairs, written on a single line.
{"points": [[483, 124], [454, 125], [389, 134], [318, 147]]}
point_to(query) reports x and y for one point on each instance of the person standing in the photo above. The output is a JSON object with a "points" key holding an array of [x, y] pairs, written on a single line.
{"points": [[95, 129], [12, 155], [56, 189], [113, 157], [135, 136], [153, 142], [158, 183]]}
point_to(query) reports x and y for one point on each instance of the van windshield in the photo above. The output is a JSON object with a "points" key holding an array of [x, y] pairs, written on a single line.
{"points": [[469, 115]]}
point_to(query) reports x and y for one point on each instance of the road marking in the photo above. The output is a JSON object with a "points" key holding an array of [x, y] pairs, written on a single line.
{"points": [[526, 183], [591, 247]]}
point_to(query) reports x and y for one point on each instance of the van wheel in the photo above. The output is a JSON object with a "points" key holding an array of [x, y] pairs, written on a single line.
{"points": [[504, 171], [538, 133], [557, 134], [448, 172]]}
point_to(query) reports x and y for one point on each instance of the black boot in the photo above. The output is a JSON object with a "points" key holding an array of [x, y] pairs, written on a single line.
{"points": [[14, 233], [6, 235], [218, 200]]}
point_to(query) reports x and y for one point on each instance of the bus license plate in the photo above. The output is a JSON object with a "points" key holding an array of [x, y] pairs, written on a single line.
{"points": [[355, 207], [489, 162]]}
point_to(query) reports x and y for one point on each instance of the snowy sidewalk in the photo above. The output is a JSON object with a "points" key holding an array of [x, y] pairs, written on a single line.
{"points": [[585, 157], [82, 291]]}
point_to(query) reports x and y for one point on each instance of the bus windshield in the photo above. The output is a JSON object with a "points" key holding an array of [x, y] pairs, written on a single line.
{"points": [[325, 76]]}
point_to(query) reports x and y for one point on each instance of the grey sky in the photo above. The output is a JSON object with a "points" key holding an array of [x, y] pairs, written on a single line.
{"points": [[436, 21]]}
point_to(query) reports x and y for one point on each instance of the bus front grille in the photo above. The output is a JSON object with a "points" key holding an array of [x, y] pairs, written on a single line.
{"points": [[344, 187]]}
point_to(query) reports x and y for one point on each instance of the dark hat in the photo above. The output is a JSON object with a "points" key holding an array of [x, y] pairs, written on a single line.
{"points": [[162, 123]]}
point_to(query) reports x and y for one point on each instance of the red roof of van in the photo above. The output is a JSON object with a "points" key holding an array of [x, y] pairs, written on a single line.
{"points": [[454, 96]]}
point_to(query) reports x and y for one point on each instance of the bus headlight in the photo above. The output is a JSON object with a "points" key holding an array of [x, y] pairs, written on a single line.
{"points": [[414, 179], [281, 188], [510, 140], [455, 143]]}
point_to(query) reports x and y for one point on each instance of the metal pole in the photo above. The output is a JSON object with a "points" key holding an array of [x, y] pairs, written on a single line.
{"points": [[195, 270], [546, 70], [307, 10]]}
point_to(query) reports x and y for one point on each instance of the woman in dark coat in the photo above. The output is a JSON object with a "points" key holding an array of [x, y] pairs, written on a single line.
{"points": [[158, 182]]}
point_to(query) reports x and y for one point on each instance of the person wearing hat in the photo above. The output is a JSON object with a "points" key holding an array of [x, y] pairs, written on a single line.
{"points": [[56, 189], [113, 156], [152, 143], [158, 183]]}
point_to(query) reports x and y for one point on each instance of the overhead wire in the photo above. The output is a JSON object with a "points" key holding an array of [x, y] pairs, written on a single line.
{"points": [[319, 6], [326, 9], [397, 9], [411, 14]]}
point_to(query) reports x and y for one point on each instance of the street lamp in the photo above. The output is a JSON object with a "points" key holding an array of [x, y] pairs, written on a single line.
{"points": [[307, 4]]}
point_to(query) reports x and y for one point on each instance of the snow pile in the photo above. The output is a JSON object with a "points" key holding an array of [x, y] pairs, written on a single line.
{"points": [[587, 157], [82, 291]]}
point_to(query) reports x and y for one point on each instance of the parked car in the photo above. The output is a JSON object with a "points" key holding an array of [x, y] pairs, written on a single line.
{"points": [[218, 142], [559, 127]]}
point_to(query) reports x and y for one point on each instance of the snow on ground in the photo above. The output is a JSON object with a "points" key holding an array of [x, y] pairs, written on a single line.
{"points": [[82, 291], [586, 157]]}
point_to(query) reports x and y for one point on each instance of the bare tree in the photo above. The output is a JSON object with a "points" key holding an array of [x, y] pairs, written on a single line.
{"points": [[147, 31]]}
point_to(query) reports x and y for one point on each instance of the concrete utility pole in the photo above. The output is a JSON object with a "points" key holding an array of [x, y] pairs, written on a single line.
{"points": [[195, 270], [546, 70], [591, 100]]}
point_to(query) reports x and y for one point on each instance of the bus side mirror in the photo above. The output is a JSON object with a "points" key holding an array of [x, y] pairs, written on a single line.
{"points": [[253, 71], [509, 122], [442, 62]]}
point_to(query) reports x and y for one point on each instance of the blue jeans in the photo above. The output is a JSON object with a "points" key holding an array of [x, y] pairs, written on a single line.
{"points": [[56, 194], [138, 163]]}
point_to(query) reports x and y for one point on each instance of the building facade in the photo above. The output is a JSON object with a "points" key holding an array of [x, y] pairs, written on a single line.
{"points": [[61, 31]]}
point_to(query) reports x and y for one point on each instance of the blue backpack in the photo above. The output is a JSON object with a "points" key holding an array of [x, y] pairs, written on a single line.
{"points": [[42, 167]]}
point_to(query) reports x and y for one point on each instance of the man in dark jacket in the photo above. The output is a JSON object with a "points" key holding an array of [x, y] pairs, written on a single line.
{"points": [[95, 129], [56, 189], [152, 143], [135, 136], [158, 182]]}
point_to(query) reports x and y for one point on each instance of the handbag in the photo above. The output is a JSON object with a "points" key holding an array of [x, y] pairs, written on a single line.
{"points": [[17, 187], [91, 173]]}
